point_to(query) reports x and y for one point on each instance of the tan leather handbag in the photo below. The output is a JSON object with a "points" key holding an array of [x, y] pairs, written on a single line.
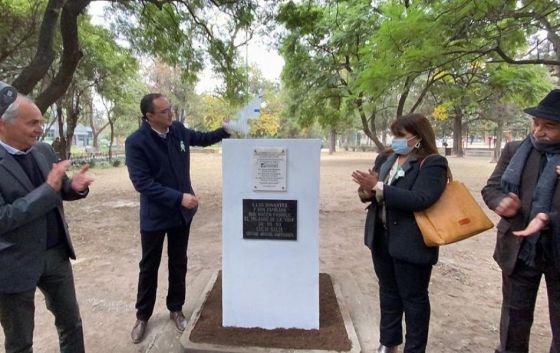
{"points": [[455, 216]]}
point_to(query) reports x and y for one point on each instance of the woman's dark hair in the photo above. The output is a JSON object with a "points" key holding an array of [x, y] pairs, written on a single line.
{"points": [[147, 103], [418, 125]]}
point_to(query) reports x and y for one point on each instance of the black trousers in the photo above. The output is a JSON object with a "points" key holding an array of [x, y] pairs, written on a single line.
{"points": [[152, 246], [519, 296], [403, 289], [17, 310]]}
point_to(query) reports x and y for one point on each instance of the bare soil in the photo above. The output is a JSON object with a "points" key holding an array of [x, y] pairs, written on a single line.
{"points": [[465, 289], [331, 334]]}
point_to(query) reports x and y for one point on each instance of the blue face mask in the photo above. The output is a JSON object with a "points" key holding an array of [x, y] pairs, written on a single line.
{"points": [[400, 145]]}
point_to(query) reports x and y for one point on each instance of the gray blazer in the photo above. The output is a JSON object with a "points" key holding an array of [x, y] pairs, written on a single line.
{"points": [[23, 221], [507, 244]]}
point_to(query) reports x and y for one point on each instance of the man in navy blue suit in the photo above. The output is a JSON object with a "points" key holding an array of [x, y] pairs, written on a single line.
{"points": [[157, 157]]}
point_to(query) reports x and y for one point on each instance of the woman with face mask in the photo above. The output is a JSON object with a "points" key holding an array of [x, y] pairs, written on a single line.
{"points": [[410, 177]]}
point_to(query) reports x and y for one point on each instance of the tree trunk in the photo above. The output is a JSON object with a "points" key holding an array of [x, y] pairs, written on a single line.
{"points": [[499, 136], [180, 115], [71, 54], [38, 67], [404, 96], [94, 131], [458, 134], [63, 142], [95, 136], [384, 128], [112, 127], [368, 126], [71, 123], [332, 140], [48, 127], [72, 115], [554, 38]]}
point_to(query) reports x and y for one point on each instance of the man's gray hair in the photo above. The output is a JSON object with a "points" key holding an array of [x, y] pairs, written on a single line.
{"points": [[12, 111]]}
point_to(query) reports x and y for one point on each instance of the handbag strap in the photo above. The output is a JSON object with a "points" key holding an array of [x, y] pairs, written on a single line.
{"points": [[449, 174]]}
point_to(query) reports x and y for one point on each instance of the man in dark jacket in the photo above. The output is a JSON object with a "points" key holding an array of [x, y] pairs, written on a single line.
{"points": [[157, 157], [523, 187], [35, 245]]}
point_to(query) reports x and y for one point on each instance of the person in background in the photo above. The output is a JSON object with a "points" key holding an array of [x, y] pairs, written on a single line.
{"points": [[158, 162], [57, 147], [523, 191], [410, 177], [35, 245]]}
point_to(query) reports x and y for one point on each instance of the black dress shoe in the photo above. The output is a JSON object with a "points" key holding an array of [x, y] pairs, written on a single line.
{"points": [[385, 349], [179, 320], [138, 331]]}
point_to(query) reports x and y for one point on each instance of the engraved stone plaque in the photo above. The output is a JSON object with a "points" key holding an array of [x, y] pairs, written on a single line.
{"points": [[269, 169], [270, 219]]}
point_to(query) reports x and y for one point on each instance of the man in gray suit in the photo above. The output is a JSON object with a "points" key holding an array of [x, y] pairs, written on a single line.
{"points": [[34, 242], [523, 187]]}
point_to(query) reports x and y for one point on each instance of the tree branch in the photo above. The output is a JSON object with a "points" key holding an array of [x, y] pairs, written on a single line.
{"points": [[44, 56], [509, 60], [71, 54]]}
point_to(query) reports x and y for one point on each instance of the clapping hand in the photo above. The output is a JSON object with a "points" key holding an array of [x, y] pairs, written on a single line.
{"points": [[508, 206], [54, 179], [538, 223], [366, 180], [80, 180]]}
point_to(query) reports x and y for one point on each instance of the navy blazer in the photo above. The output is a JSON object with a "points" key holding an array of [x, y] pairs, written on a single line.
{"points": [[23, 219], [419, 188], [160, 171]]}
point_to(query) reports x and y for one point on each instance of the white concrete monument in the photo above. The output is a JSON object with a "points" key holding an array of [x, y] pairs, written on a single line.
{"points": [[270, 230]]}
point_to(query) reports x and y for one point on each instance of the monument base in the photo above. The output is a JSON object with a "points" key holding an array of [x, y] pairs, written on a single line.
{"points": [[205, 333]]}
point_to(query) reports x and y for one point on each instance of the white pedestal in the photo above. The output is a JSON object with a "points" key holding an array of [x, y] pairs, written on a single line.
{"points": [[271, 283]]}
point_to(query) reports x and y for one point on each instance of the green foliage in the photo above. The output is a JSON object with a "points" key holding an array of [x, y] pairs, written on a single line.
{"points": [[211, 111], [321, 52], [106, 64], [441, 112], [268, 125], [347, 63], [186, 35], [19, 30], [108, 71], [164, 32], [348, 57], [303, 19], [522, 85]]}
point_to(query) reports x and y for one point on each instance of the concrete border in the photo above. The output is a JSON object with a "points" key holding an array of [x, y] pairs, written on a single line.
{"points": [[195, 347]]}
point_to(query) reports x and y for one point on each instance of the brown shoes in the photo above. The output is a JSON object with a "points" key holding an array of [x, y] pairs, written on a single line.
{"points": [[179, 320], [138, 331]]}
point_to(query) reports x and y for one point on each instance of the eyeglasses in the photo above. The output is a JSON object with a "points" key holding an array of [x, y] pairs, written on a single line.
{"points": [[165, 111]]}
